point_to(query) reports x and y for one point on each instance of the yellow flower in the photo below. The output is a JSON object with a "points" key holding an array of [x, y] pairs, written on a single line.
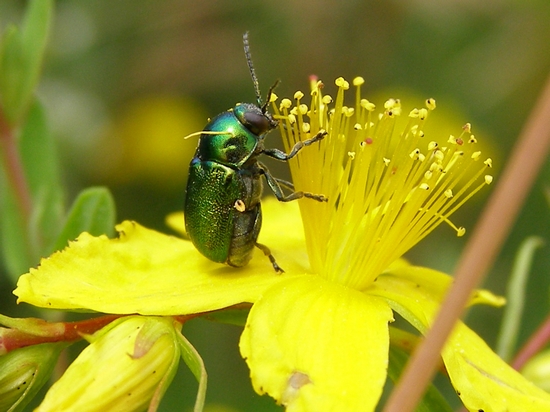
{"points": [[317, 337]]}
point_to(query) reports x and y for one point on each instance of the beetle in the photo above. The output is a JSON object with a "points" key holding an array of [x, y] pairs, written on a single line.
{"points": [[222, 209]]}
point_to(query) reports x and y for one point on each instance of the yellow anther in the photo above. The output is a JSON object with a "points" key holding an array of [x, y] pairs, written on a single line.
{"points": [[340, 82], [327, 99], [448, 193], [391, 103], [358, 81], [488, 179], [348, 111], [365, 104], [286, 103], [432, 145], [461, 231], [414, 154], [430, 103], [298, 95]]}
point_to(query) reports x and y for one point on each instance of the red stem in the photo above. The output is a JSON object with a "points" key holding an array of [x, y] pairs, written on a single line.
{"points": [[536, 342], [14, 168], [12, 339], [47, 332]]}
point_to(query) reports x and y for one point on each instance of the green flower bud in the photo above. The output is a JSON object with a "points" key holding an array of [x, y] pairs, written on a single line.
{"points": [[24, 371], [127, 367], [537, 370]]}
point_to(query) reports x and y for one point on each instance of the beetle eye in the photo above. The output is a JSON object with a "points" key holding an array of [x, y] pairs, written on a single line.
{"points": [[255, 122]]}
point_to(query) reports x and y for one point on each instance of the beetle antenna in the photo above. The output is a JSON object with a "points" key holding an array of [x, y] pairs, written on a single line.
{"points": [[251, 69]]}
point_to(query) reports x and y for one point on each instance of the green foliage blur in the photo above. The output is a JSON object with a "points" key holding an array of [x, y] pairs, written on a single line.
{"points": [[123, 82]]}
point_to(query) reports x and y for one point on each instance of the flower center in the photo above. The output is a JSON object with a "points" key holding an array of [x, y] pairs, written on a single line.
{"points": [[387, 189]]}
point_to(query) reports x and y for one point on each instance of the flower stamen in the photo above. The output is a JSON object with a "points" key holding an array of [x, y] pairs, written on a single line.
{"points": [[386, 190]]}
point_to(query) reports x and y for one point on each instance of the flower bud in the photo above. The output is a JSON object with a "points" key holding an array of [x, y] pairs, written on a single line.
{"points": [[127, 366], [24, 371], [537, 370]]}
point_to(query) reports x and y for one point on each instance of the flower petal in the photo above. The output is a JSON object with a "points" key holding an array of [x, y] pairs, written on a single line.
{"points": [[315, 345], [437, 283], [147, 272], [482, 380]]}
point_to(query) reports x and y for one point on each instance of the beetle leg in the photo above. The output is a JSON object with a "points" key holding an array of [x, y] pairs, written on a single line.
{"points": [[280, 155], [285, 183], [267, 252], [275, 186]]}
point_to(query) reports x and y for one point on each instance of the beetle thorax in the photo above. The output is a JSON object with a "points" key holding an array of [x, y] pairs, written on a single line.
{"points": [[241, 131]]}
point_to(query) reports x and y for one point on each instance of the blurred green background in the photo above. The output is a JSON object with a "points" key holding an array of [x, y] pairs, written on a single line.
{"points": [[125, 80]]}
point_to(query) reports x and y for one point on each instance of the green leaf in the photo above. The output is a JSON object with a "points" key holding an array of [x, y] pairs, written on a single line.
{"points": [[196, 365], [11, 61], [515, 297], [24, 241], [14, 240], [21, 54], [432, 400], [41, 166], [93, 211]]}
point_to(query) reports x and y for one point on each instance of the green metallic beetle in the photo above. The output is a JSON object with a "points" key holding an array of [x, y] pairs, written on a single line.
{"points": [[223, 214]]}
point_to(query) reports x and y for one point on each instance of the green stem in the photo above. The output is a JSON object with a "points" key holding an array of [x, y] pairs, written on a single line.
{"points": [[515, 298]]}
